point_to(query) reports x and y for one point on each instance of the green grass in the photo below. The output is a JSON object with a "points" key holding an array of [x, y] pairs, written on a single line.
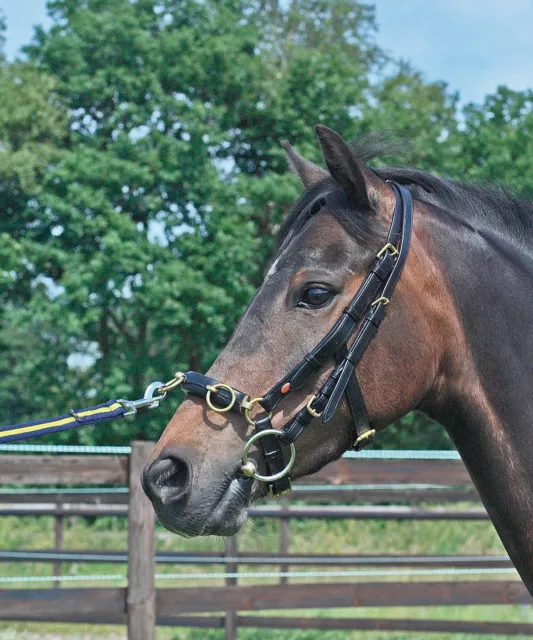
{"points": [[307, 536]]}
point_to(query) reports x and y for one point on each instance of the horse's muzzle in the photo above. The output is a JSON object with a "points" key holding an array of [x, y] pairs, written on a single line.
{"points": [[196, 508]]}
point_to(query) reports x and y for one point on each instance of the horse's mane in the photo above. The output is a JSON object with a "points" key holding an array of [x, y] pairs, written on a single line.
{"points": [[478, 205]]}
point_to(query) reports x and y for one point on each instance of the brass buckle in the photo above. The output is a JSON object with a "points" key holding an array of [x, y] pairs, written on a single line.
{"points": [[314, 413], [388, 247], [383, 300], [364, 436], [282, 493], [214, 387]]}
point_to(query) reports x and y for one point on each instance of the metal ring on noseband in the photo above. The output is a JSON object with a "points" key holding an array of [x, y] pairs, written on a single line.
{"points": [[214, 387], [253, 473], [248, 406]]}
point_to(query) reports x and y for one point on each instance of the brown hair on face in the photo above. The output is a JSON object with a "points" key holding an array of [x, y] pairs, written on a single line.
{"points": [[328, 243]]}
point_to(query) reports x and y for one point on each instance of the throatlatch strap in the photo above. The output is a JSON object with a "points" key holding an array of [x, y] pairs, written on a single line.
{"points": [[356, 404], [347, 367], [81, 418]]}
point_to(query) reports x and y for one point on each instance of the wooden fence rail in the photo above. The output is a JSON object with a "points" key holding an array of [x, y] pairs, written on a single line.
{"points": [[286, 560], [106, 605], [112, 470], [64, 469], [140, 606], [266, 511], [302, 491]]}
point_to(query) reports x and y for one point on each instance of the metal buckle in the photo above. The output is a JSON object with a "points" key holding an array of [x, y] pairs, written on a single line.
{"points": [[364, 436], [314, 413], [148, 401], [212, 388], [383, 300], [246, 467], [282, 493], [388, 247]]}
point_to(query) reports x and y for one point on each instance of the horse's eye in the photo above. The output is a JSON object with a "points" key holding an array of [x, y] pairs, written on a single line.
{"points": [[315, 297]]}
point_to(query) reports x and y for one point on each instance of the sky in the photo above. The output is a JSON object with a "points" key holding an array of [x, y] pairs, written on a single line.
{"points": [[472, 45]]}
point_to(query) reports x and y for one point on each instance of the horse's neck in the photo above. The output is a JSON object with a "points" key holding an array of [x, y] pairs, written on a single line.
{"points": [[499, 457], [485, 397]]}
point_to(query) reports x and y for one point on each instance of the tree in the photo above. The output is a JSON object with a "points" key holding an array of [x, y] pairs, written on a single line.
{"points": [[150, 220], [495, 143], [422, 115], [33, 126], [157, 212]]}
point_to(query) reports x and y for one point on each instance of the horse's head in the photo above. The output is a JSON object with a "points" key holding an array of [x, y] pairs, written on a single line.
{"points": [[327, 245]]}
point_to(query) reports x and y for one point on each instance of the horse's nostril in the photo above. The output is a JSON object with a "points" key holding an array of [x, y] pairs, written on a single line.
{"points": [[168, 478], [174, 476]]}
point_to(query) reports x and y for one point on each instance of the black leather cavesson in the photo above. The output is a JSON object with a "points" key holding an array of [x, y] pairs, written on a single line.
{"points": [[365, 312], [198, 384]]}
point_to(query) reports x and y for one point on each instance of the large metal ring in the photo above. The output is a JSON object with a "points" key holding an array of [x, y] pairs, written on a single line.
{"points": [[276, 476], [214, 387]]}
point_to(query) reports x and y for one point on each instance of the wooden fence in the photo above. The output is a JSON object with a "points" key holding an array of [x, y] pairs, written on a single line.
{"points": [[141, 606]]}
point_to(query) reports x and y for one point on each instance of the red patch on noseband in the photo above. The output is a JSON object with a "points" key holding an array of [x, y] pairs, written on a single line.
{"points": [[286, 387]]}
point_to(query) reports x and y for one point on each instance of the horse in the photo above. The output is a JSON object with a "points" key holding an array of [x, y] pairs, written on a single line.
{"points": [[455, 342]]}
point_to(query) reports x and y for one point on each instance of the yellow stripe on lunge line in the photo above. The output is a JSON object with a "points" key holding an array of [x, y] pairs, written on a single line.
{"points": [[59, 423]]}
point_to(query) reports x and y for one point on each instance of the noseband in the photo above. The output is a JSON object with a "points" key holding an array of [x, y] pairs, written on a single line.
{"points": [[365, 312]]}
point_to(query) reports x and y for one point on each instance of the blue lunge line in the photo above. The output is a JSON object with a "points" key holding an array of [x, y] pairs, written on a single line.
{"points": [[155, 392], [83, 417]]}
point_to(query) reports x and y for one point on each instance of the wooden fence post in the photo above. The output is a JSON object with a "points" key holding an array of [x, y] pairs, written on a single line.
{"points": [[284, 538], [231, 549], [141, 550], [58, 546]]}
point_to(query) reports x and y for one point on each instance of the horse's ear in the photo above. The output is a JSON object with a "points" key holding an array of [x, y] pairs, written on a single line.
{"points": [[362, 185], [308, 172]]}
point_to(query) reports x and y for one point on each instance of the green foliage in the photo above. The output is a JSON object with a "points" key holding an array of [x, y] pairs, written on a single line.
{"points": [[143, 182], [414, 431], [423, 114], [496, 141]]}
